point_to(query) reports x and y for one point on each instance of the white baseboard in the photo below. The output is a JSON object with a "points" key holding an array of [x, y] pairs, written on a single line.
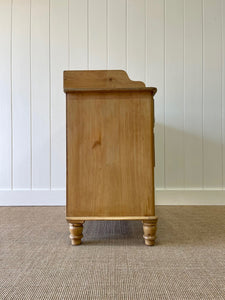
{"points": [[163, 197], [32, 198], [190, 197]]}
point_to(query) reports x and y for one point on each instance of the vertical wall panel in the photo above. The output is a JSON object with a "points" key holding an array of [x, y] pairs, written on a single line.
{"points": [[212, 150], [21, 94], [40, 94], [223, 87], [136, 46], [155, 77], [97, 34], [78, 43], [193, 94], [117, 34], [176, 45], [59, 63], [5, 94], [174, 94]]}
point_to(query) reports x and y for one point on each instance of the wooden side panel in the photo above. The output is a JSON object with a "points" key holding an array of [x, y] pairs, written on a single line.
{"points": [[110, 154], [212, 87], [59, 63], [5, 94], [155, 64], [174, 94], [193, 94], [99, 80], [21, 94], [40, 94]]}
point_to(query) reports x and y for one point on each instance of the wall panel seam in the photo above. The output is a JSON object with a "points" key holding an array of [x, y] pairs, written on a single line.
{"points": [[146, 44], [68, 37], [202, 99], [203, 132], [50, 102], [164, 125], [88, 59], [164, 89], [11, 103], [222, 92], [31, 127], [184, 95], [126, 38], [107, 34]]}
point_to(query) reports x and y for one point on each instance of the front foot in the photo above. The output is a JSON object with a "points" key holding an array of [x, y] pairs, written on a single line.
{"points": [[76, 230], [149, 227]]}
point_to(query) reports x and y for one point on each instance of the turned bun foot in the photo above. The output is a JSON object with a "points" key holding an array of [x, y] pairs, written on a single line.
{"points": [[149, 228], [76, 230]]}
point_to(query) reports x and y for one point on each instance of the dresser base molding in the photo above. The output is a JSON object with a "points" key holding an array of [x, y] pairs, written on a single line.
{"points": [[109, 218], [76, 227]]}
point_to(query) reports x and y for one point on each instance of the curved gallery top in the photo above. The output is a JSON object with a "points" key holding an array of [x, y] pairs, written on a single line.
{"points": [[102, 80]]}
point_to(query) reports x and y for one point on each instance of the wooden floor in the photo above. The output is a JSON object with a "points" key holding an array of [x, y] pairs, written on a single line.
{"points": [[38, 262]]}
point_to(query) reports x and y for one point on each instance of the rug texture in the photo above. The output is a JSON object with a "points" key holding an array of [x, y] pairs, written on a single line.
{"points": [[37, 260]]}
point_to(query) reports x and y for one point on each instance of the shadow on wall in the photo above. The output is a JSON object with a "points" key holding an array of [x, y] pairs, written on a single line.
{"points": [[186, 159]]}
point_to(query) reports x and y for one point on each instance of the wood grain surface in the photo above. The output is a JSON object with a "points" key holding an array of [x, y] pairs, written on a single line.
{"points": [[110, 154], [97, 80]]}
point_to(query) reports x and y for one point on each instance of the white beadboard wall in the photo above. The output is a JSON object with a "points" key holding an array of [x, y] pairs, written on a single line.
{"points": [[176, 45]]}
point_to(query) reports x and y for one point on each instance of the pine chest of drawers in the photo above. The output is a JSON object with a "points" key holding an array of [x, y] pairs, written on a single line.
{"points": [[110, 150]]}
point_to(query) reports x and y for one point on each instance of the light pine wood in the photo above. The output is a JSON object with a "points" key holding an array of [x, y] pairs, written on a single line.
{"points": [[149, 228], [101, 80], [110, 147], [76, 230], [110, 154], [108, 218]]}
